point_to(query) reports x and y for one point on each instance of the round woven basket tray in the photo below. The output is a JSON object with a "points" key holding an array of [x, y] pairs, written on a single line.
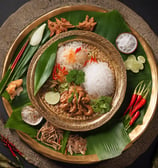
{"points": [[60, 118]]}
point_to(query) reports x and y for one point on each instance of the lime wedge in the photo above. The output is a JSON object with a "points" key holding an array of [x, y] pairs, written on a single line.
{"points": [[52, 97]]}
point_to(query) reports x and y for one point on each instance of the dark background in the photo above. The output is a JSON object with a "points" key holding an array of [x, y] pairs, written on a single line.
{"points": [[148, 9]]}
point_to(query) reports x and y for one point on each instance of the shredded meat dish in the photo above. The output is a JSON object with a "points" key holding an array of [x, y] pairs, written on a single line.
{"points": [[50, 135], [76, 144], [76, 101]]}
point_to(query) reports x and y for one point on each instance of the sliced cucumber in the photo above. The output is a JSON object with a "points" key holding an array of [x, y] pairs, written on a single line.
{"points": [[141, 59], [133, 64], [52, 97]]}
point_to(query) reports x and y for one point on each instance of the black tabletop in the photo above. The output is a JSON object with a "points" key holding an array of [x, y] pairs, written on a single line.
{"points": [[146, 9]]}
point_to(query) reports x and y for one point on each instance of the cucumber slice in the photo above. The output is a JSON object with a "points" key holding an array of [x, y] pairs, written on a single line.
{"points": [[52, 97], [133, 64], [141, 59]]}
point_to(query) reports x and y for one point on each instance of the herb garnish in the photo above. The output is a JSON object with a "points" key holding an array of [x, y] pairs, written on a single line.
{"points": [[76, 76], [102, 104]]}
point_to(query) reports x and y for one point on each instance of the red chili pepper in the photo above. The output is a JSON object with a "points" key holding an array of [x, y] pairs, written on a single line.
{"points": [[11, 146], [141, 103], [138, 106], [11, 150], [134, 96], [19, 54], [66, 150], [77, 50], [140, 95], [136, 115], [59, 73], [93, 59]]}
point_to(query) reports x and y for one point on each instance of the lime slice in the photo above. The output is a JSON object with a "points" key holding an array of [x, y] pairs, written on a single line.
{"points": [[52, 97], [126, 43]]}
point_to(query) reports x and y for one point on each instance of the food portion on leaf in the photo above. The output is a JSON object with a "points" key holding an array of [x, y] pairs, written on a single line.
{"points": [[134, 64], [50, 135], [54, 137], [14, 88], [76, 145], [59, 26], [88, 24]]}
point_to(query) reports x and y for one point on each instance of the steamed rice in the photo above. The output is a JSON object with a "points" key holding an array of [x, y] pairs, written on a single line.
{"points": [[99, 79], [65, 50]]}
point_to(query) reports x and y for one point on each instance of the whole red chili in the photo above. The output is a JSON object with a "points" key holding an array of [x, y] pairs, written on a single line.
{"points": [[136, 115], [11, 146]]}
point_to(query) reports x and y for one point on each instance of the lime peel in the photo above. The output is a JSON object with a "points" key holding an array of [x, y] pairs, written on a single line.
{"points": [[52, 97]]}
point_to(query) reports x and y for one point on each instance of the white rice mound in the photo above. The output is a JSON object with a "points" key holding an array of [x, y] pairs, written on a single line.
{"points": [[64, 50], [99, 79]]}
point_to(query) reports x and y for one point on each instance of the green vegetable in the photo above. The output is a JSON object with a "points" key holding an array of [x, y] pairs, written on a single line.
{"points": [[76, 76], [46, 64], [102, 104], [64, 141], [63, 87], [44, 67], [71, 98]]}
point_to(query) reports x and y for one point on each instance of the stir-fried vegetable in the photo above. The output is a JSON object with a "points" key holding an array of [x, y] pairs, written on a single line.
{"points": [[102, 104]]}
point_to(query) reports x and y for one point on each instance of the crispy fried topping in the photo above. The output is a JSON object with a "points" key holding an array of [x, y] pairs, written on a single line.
{"points": [[88, 24], [14, 88], [59, 26]]}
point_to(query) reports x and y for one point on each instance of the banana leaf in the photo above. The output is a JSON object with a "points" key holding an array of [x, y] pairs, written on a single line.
{"points": [[108, 143], [45, 64], [110, 140]]}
